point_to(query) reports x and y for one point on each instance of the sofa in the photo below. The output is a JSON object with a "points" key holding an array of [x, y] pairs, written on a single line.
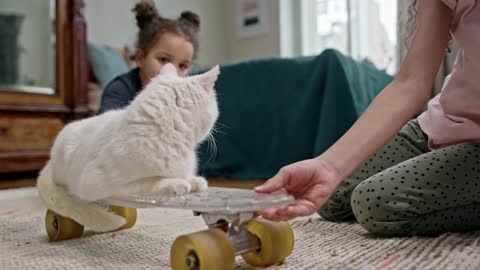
{"points": [[276, 111]]}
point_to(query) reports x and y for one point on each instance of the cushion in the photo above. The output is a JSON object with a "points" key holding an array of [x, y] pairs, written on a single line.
{"points": [[106, 62]]}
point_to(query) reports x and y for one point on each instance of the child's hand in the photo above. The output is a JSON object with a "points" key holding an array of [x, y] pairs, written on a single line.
{"points": [[311, 182]]}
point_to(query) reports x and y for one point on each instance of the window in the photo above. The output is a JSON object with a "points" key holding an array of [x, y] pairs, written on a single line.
{"points": [[363, 29], [322, 7]]}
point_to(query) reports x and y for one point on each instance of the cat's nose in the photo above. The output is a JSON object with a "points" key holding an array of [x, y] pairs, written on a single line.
{"points": [[169, 69]]}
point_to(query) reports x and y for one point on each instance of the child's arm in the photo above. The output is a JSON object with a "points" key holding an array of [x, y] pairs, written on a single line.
{"points": [[400, 100], [313, 181]]}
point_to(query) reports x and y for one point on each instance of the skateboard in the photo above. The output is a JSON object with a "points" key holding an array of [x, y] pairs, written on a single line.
{"points": [[233, 228]]}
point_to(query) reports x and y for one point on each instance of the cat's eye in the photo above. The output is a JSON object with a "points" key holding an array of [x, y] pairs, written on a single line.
{"points": [[183, 66]]}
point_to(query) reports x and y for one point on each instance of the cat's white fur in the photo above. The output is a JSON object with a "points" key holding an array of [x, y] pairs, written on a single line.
{"points": [[147, 148]]}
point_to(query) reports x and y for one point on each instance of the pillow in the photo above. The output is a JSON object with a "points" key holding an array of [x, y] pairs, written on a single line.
{"points": [[106, 63]]}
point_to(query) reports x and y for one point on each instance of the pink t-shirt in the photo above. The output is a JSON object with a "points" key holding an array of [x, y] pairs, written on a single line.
{"points": [[453, 116]]}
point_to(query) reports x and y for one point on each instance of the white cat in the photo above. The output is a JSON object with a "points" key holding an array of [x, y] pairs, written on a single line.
{"points": [[147, 148]]}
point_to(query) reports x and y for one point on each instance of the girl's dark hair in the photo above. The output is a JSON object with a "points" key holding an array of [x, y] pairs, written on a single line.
{"points": [[152, 25]]}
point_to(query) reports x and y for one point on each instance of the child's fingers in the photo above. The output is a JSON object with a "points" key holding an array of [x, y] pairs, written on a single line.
{"points": [[298, 211], [270, 212], [280, 191], [273, 213], [273, 184], [286, 212], [267, 213]]}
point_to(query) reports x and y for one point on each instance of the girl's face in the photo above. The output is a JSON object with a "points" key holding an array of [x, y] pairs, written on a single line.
{"points": [[169, 48]]}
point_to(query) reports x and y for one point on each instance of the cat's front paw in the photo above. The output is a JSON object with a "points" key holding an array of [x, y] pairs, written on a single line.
{"points": [[198, 183], [175, 187]]}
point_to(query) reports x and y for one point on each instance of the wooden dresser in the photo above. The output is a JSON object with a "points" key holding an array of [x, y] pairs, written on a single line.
{"points": [[30, 121]]}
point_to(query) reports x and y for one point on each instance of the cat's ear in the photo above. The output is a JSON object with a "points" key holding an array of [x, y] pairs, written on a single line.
{"points": [[207, 79], [169, 69]]}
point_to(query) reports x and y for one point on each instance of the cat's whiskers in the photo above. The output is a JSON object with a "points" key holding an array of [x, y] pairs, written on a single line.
{"points": [[220, 124], [211, 145]]}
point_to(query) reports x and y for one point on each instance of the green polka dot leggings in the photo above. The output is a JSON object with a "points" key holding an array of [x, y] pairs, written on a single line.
{"points": [[407, 189]]}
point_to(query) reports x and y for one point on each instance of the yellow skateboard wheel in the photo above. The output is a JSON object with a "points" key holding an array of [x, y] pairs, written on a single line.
{"points": [[61, 228], [205, 250], [130, 214], [276, 242]]}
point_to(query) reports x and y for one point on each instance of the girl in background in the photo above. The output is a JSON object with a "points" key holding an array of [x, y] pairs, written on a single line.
{"points": [[160, 41]]}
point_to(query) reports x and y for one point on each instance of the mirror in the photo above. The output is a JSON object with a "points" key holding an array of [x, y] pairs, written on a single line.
{"points": [[27, 46]]}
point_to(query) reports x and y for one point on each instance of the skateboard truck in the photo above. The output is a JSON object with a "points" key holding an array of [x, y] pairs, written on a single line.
{"points": [[232, 224]]}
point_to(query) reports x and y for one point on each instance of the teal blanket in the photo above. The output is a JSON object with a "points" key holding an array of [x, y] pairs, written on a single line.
{"points": [[277, 111]]}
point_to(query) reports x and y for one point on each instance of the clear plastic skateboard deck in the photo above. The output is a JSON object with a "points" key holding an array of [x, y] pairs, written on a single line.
{"points": [[213, 200]]}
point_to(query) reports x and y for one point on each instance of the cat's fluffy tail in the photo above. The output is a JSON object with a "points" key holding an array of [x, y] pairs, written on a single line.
{"points": [[89, 214]]}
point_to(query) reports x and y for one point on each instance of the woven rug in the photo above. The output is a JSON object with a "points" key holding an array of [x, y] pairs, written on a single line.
{"points": [[319, 244]]}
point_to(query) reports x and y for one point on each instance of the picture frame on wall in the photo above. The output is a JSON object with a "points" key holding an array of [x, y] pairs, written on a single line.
{"points": [[251, 17]]}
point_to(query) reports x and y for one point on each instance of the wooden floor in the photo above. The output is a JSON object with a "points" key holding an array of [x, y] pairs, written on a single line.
{"points": [[8, 183]]}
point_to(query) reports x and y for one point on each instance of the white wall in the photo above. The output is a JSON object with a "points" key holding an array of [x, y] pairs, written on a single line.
{"points": [[263, 45], [112, 22]]}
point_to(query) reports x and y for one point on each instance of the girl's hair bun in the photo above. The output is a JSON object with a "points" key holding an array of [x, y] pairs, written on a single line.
{"points": [[191, 18], [145, 12]]}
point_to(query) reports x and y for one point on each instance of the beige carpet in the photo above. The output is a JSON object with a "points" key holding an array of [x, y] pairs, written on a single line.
{"points": [[319, 244]]}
